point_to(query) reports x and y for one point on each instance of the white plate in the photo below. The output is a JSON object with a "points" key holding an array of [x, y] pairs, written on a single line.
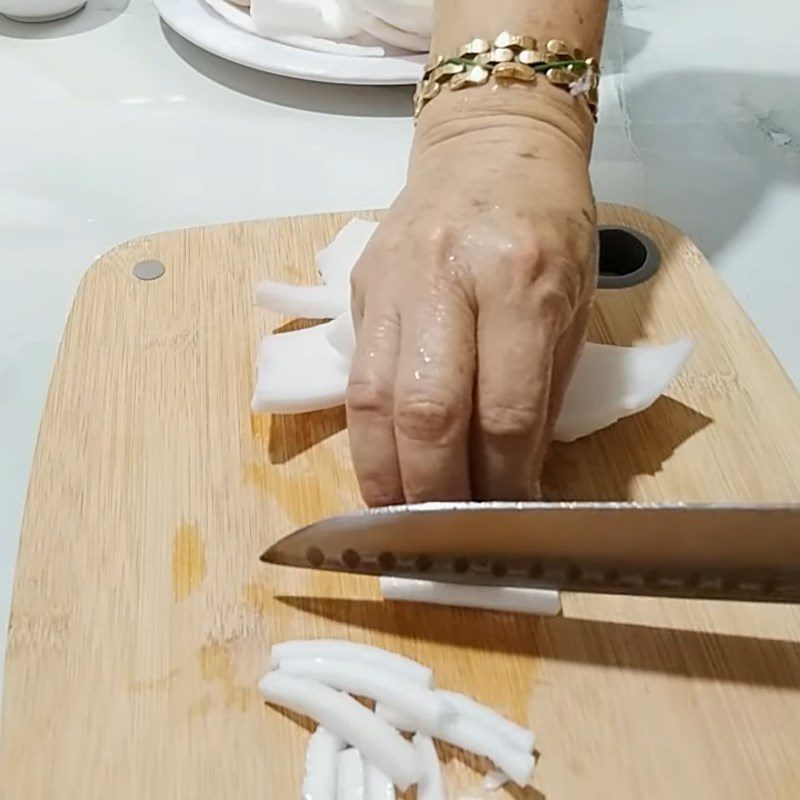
{"points": [[202, 26]]}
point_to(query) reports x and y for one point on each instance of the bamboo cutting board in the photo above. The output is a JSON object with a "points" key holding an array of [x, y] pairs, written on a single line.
{"points": [[142, 618]]}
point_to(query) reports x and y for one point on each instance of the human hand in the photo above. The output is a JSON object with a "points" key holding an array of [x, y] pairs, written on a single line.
{"points": [[471, 303]]}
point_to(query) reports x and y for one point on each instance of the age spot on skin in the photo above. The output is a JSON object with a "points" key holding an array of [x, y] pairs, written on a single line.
{"points": [[531, 155]]}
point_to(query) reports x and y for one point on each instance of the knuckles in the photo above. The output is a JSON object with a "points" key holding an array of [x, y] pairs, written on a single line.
{"points": [[369, 397], [430, 418], [501, 421]]}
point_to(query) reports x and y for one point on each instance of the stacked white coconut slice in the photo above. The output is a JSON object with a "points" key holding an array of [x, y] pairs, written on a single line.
{"points": [[306, 370], [341, 27], [359, 751]]}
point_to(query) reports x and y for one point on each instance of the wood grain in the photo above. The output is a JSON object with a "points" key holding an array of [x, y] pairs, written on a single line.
{"points": [[142, 618]]}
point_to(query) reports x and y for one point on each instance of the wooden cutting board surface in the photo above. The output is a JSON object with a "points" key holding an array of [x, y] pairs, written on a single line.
{"points": [[142, 618]]}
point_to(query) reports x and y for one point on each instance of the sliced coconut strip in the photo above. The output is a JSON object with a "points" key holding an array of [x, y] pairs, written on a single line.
{"points": [[465, 733], [347, 718], [385, 32], [240, 17], [310, 302], [352, 47], [299, 372], [377, 786], [407, 15], [394, 717], [336, 261], [349, 776], [494, 780], [469, 735], [321, 764], [614, 382], [330, 19], [431, 784], [514, 734], [428, 709], [546, 602], [235, 12], [367, 654]]}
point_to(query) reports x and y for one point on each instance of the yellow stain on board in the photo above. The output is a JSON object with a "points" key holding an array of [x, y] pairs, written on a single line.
{"points": [[216, 665], [154, 684], [188, 561]]}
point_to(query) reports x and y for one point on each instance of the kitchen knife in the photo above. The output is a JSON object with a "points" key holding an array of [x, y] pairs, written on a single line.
{"points": [[694, 551]]}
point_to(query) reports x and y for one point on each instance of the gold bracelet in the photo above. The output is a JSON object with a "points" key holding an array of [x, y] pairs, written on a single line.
{"points": [[511, 58]]}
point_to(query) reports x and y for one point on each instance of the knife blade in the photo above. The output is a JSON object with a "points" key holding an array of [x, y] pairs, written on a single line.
{"points": [[693, 551]]}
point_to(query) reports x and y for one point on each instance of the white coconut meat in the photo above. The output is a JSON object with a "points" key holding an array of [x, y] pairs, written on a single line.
{"points": [[517, 736], [377, 785], [494, 780], [346, 718], [414, 16], [342, 336], [240, 16], [327, 19], [308, 302], [615, 382], [383, 31], [545, 602], [428, 709], [342, 650], [349, 776], [609, 383], [336, 261], [467, 734], [431, 784], [303, 358], [322, 756], [395, 717]]}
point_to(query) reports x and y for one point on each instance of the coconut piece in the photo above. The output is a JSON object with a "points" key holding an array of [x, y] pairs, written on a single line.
{"points": [[465, 733], [377, 786], [431, 784], [546, 602], [349, 776], [322, 757], [309, 302], [347, 718], [427, 708], [383, 660], [299, 372], [396, 37]]}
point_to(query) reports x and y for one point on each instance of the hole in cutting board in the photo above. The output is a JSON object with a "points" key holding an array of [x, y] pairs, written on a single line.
{"points": [[627, 257]]}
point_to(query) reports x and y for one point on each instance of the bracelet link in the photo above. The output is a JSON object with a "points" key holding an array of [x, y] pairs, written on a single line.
{"points": [[511, 57]]}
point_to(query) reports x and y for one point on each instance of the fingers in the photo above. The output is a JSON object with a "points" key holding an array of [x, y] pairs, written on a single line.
{"points": [[433, 397], [370, 404], [565, 358], [516, 348]]}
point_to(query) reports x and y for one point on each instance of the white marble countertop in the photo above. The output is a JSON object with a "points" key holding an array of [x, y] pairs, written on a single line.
{"points": [[113, 127]]}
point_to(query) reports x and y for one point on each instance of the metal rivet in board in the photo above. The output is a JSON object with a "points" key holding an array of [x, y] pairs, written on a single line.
{"points": [[149, 270]]}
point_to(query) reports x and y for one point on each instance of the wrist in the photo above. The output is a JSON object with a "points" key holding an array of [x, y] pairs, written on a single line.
{"points": [[515, 110]]}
